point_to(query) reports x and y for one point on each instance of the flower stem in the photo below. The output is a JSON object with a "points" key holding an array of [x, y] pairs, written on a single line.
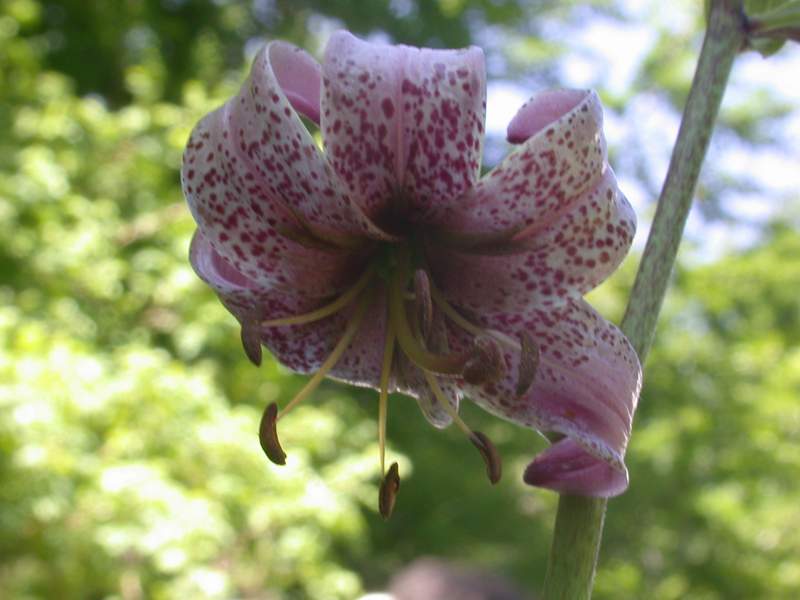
{"points": [[579, 522]]}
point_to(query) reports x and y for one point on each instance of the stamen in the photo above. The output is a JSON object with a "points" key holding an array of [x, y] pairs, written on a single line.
{"points": [[329, 309], [486, 363], [422, 301], [330, 362], [251, 341], [527, 347], [494, 465], [468, 326], [268, 435], [528, 363], [387, 495], [386, 371]]}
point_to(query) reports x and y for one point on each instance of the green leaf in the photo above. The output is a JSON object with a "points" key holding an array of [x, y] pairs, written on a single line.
{"points": [[772, 24]]}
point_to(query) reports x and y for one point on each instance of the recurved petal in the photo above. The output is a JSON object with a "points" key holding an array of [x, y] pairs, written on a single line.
{"points": [[245, 298], [299, 76], [443, 110], [567, 468], [268, 135], [360, 118], [562, 154], [586, 385], [403, 125], [246, 224], [574, 254]]}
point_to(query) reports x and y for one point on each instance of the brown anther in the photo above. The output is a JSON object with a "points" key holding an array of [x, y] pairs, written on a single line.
{"points": [[423, 305], [485, 363], [494, 465], [528, 363], [251, 341], [268, 435], [388, 491]]}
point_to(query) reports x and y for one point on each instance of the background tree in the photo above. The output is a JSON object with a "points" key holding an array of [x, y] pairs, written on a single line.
{"points": [[129, 465]]}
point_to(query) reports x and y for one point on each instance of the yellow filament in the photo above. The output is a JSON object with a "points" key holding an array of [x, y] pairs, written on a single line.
{"points": [[466, 325], [328, 309], [386, 371], [437, 391], [451, 364], [330, 362]]}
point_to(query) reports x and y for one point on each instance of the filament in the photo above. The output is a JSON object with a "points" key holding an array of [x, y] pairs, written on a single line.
{"points": [[386, 371], [446, 364], [452, 314], [329, 309], [434, 386], [342, 345]]}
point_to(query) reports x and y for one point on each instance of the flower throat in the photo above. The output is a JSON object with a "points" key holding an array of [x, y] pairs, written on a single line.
{"points": [[415, 311]]}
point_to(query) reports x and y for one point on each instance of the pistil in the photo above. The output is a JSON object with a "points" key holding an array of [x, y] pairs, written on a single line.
{"points": [[446, 364]]}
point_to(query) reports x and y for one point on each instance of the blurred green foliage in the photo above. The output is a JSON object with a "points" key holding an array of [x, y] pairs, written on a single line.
{"points": [[129, 464]]}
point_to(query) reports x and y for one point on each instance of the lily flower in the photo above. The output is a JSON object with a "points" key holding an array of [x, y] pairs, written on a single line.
{"points": [[383, 259]]}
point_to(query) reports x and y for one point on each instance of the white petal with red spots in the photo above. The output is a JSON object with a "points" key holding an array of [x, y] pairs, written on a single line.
{"points": [[568, 258], [541, 179], [587, 383], [403, 126]]}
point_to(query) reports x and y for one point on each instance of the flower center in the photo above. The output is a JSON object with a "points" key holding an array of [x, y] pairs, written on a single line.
{"points": [[415, 313]]}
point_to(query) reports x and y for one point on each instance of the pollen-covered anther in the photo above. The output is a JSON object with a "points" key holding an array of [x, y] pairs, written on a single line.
{"points": [[388, 491], [485, 363], [494, 465], [251, 341], [268, 435], [423, 305], [528, 363]]}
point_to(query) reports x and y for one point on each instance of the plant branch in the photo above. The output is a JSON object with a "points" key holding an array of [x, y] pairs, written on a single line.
{"points": [[579, 522]]}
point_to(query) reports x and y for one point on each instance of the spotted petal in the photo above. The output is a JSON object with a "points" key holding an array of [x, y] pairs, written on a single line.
{"points": [[586, 386], [243, 296], [403, 126], [568, 468], [570, 257], [562, 155]]}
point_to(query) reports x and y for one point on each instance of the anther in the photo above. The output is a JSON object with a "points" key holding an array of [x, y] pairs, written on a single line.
{"points": [[268, 435], [251, 341], [485, 363], [388, 491], [528, 363], [422, 302], [494, 465]]}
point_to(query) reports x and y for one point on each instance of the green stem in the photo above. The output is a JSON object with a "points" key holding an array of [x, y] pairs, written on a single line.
{"points": [[579, 522]]}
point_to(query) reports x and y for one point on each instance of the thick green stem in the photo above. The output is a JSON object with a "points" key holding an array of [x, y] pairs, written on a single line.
{"points": [[579, 522]]}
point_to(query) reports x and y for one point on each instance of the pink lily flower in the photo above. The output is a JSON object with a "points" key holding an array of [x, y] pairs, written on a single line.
{"points": [[385, 260]]}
